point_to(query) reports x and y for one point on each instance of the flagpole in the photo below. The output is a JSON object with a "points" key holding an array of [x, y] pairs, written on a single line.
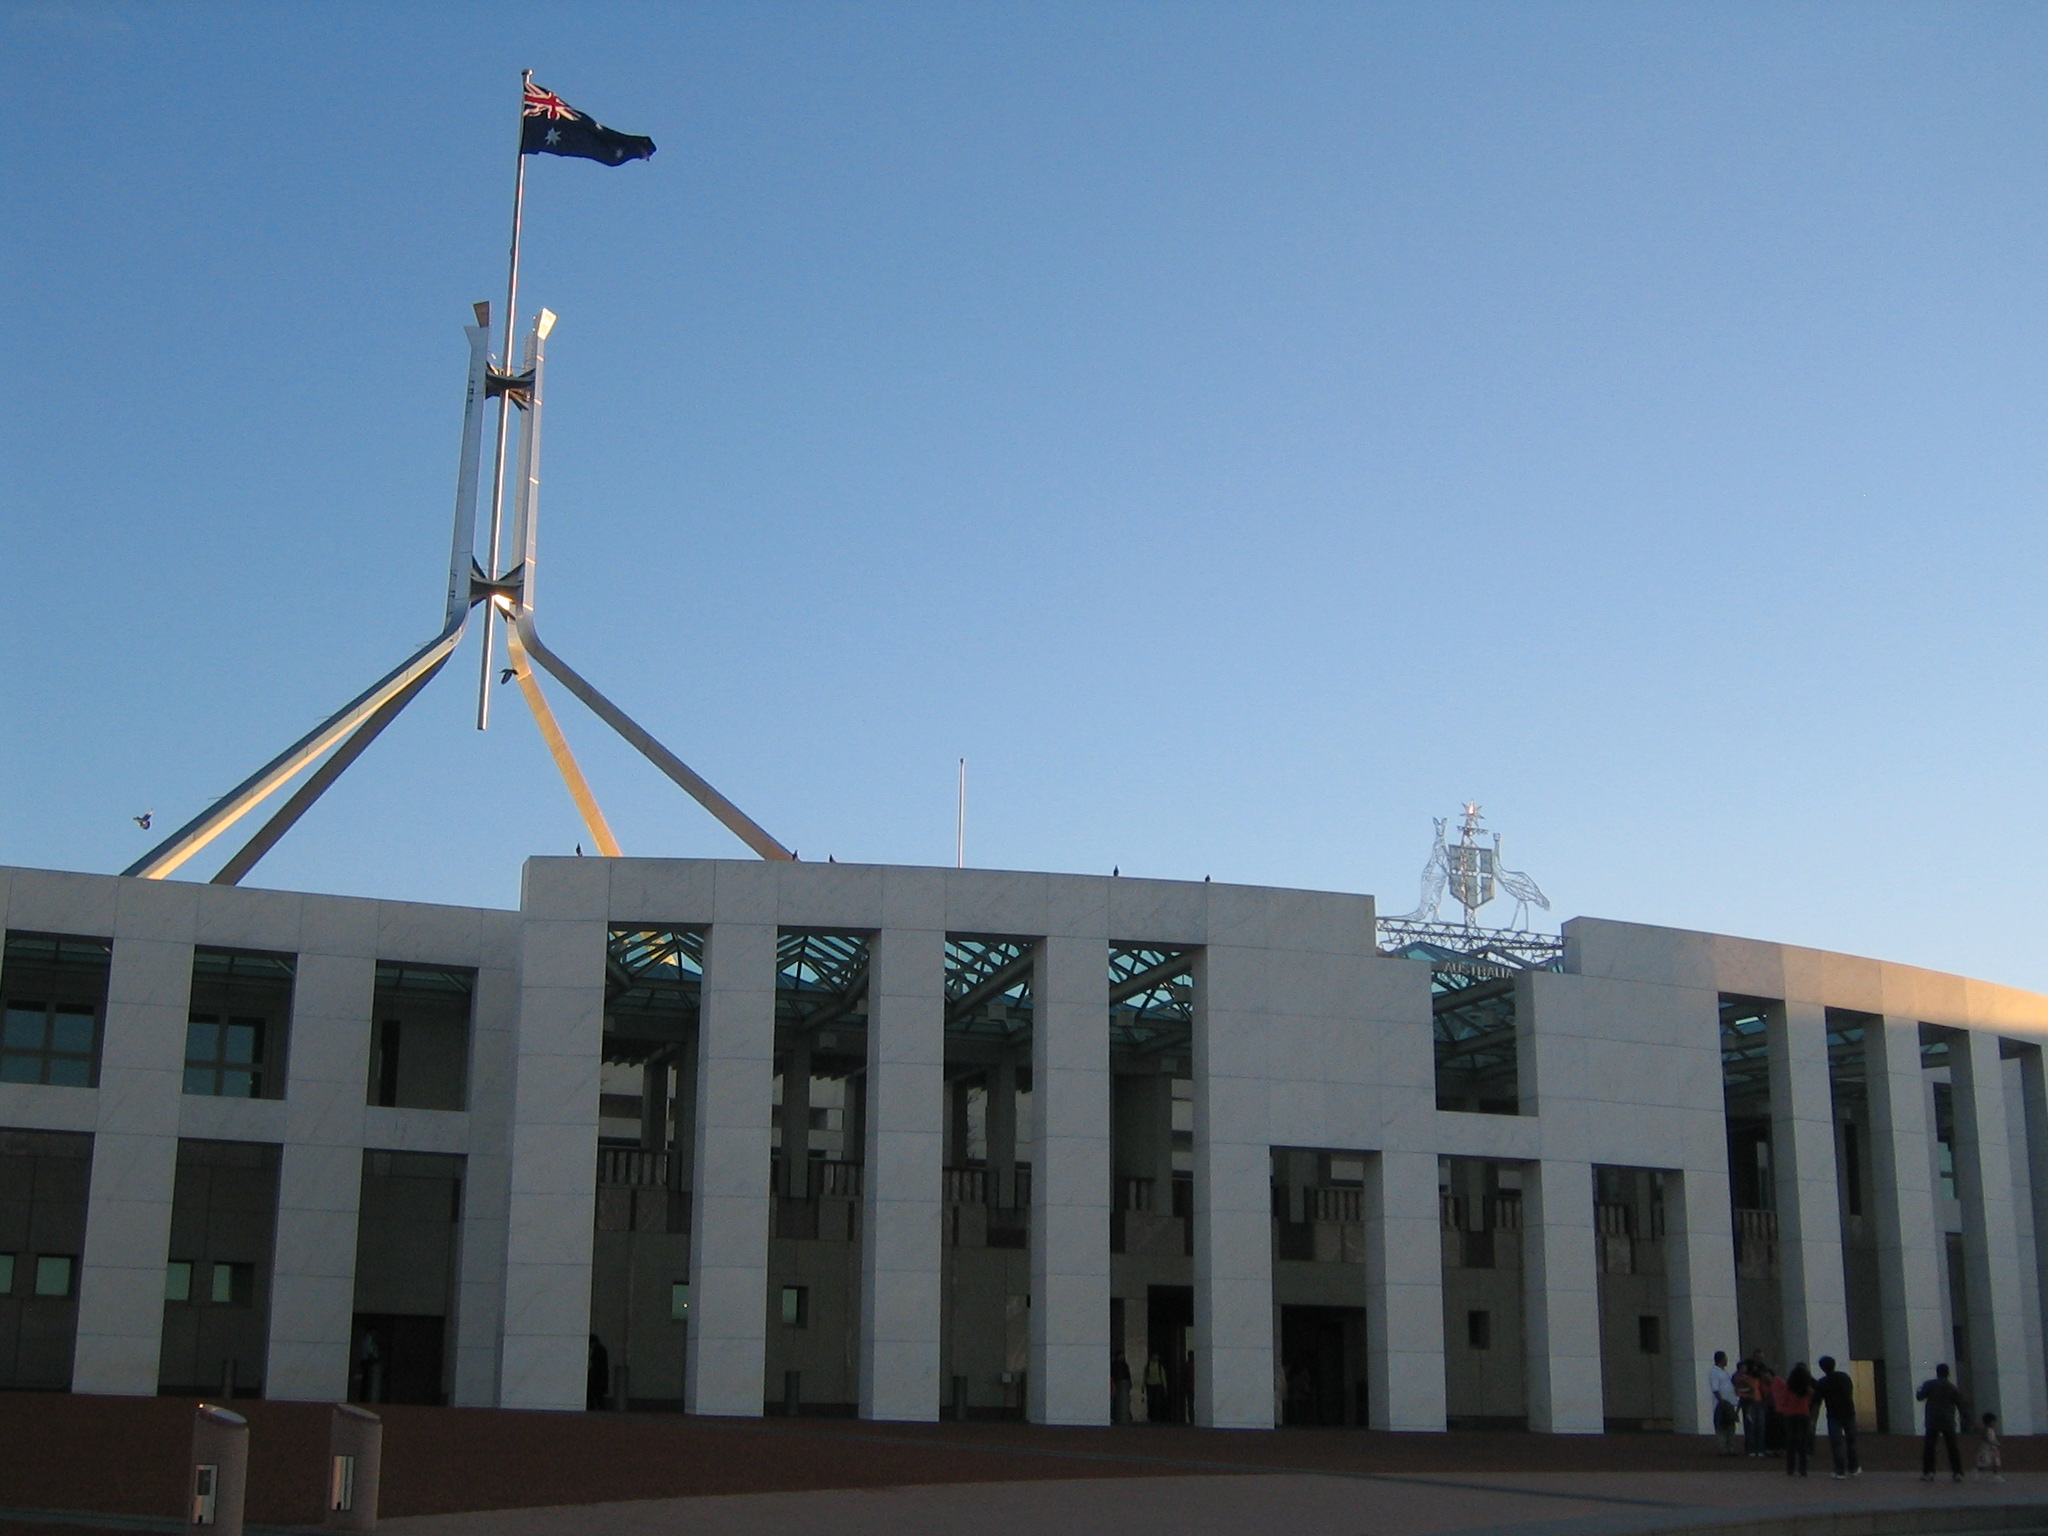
{"points": [[506, 365]]}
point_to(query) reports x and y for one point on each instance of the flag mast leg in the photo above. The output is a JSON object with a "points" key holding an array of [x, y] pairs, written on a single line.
{"points": [[491, 570]]}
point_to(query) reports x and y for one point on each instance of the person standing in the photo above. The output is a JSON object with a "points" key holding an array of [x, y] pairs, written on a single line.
{"points": [[1155, 1391], [1793, 1400], [1944, 1408], [1749, 1392], [1837, 1389], [1722, 1400]]}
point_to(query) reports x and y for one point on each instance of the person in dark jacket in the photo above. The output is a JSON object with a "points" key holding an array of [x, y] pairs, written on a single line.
{"points": [[1944, 1410], [1838, 1394]]}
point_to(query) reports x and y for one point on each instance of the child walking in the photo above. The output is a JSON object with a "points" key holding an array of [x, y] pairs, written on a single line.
{"points": [[1990, 1458]]}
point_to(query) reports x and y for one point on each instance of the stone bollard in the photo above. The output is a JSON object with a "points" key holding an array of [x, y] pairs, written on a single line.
{"points": [[355, 1445], [220, 1469]]}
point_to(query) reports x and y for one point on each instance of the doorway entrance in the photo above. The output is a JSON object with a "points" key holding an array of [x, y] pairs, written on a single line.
{"points": [[1322, 1352], [1170, 1341], [398, 1359]]}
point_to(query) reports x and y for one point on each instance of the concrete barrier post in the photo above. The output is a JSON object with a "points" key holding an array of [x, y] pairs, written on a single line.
{"points": [[220, 1470], [355, 1463]]}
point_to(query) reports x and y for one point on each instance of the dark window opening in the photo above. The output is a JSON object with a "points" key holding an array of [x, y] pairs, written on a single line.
{"points": [[1650, 1335], [419, 1048], [1479, 1330], [1478, 1061]]}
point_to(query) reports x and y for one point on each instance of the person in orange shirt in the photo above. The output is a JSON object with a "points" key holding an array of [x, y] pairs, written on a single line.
{"points": [[1793, 1399]]}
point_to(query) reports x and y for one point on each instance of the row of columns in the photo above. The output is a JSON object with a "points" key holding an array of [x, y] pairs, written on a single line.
{"points": [[1070, 1248], [323, 1127], [2004, 1369], [904, 1140]]}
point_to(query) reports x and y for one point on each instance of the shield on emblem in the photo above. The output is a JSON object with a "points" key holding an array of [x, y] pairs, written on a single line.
{"points": [[1471, 874]]}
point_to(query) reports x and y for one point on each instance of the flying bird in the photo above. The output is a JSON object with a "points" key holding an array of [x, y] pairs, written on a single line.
{"points": [[142, 821]]}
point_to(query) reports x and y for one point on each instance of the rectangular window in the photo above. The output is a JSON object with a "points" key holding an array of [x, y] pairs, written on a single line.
{"points": [[178, 1280], [6, 1274], [679, 1302], [796, 1306], [1650, 1335], [53, 1274], [56, 990], [234, 1040], [234, 1285], [47, 1043], [224, 1057], [1479, 1330]]}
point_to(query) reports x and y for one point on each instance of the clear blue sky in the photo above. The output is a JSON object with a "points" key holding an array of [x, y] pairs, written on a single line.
{"points": [[1243, 432]]}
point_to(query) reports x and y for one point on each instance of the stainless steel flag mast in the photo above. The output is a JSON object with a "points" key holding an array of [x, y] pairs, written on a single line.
{"points": [[483, 681], [505, 592]]}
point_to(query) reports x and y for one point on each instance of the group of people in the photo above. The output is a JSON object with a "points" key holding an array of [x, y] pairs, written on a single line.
{"points": [[1779, 1411]]}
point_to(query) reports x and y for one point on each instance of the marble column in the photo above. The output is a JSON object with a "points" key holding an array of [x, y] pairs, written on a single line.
{"points": [[1069, 1372], [1815, 1299], [1404, 1309], [1561, 1299], [134, 1169], [900, 1290], [1999, 1380], [320, 1180], [1699, 1259], [1233, 1237], [544, 1352], [730, 1209], [1903, 1211]]}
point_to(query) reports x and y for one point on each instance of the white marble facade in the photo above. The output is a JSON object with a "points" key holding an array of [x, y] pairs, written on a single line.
{"points": [[1304, 1037]]}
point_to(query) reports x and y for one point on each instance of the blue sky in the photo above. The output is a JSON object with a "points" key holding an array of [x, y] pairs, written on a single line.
{"points": [[1243, 432]]}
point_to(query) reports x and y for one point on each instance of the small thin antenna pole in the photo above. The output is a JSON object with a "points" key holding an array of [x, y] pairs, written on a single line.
{"points": [[483, 691], [960, 822]]}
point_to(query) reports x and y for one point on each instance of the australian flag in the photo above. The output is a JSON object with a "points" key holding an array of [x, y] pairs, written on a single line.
{"points": [[553, 127]]}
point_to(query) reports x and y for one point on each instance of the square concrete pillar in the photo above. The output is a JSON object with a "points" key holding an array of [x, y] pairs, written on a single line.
{"points": [[1233, 1237], [1815, 1298], [904, 1149], [320, 1180], [1699, 1258], [2034, 1369], [729, 1208], [1070, 1183], [1561, 1299], [544, 1351], [1404, 1289], [1999, 1379], [134, 1169], [2033, 1125], [1909, 1234]]}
